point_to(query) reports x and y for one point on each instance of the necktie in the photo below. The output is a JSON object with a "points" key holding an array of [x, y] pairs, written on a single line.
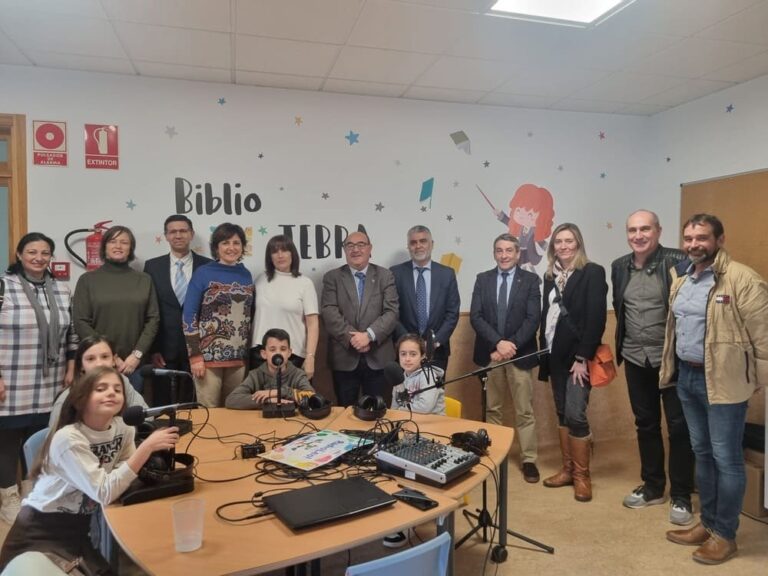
{"points": [[501, 305], [180, 282], [360, 287], [421, 301]]}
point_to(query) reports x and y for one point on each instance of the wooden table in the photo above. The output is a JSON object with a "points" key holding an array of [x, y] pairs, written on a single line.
{"points": [[145, 531]]}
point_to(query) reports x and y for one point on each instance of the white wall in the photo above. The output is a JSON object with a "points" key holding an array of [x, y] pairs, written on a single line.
{"points": [[218, 144]]}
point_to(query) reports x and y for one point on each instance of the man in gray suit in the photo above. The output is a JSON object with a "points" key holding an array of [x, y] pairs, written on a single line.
{"points": [[429, 295], [360, 310]]}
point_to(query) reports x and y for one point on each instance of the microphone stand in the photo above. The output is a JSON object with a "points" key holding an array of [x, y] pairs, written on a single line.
{"points": [[185, 425], [482, 519]]}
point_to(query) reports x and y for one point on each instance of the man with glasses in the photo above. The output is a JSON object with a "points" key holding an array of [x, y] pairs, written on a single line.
{"points": [[170, 274], [360, 310]]}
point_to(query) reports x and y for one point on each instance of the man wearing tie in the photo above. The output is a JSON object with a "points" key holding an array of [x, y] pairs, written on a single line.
{"points": [[428, 294], [170, 274], [359, 308], [505, 313]]}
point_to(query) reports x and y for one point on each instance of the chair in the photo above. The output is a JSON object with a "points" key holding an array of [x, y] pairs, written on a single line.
{"points": [[452, 407], [32, 563], [33, 445], [431, 558]]}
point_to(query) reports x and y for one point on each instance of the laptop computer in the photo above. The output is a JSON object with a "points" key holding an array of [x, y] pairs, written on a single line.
{"points": [[305, 507]]}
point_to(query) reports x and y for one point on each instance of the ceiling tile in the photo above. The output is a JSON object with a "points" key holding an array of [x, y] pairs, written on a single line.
{"points": [[558, 82], [694, 57], [469, 5], [9, 54], [578, 105], [518, 100], [364, 88], [58, 33], [87, 8], [284, 56], [328, 21], [278, 80], [741, 71], [408, 27], [181, 72], [88, 63], [641, 109], [443, 95], [464, 74], [686, 92], [627, 87], [210, 15], [374, 65], [175, 45], [750, 25]]}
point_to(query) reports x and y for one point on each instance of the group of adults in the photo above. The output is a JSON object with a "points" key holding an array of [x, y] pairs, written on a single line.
{"points": [[694, 318]]}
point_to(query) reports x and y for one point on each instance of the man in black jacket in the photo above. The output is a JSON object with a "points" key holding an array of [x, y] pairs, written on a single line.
{"points": [[641, 282], [505, 313]]}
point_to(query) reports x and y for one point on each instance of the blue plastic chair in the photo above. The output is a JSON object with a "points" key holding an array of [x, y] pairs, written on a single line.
{"points": [[33, 445], [431, 558]]}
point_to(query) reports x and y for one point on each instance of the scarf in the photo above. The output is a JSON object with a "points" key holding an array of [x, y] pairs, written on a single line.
{"points": [[553, 313], [49, 330]]}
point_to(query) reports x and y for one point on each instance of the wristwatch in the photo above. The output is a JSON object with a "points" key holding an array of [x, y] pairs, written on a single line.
{"points": [[581, 359], [138, 354]]}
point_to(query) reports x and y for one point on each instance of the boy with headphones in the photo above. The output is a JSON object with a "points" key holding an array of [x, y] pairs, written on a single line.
{"points": [[260, 386]]}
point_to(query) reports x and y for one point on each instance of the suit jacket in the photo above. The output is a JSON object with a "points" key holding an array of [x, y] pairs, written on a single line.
{"points": [[444, 302], [523, 316], [170, 338], [584, 298], [341, 314]]}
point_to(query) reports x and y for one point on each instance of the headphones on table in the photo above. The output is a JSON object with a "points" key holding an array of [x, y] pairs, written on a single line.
{"points": [[314, 407], [475, 442], [156, 470], [370, 408]]}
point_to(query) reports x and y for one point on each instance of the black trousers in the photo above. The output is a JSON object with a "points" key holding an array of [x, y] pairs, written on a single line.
{"points": [[348, 385], [646, 400]]}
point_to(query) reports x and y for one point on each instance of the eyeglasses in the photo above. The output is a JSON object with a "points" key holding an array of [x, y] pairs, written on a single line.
{"points": [[355, 245]]}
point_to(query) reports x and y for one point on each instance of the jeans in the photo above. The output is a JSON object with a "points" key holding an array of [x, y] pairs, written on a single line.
{"points": [[646, 400], [717, 431], [571, 401]]}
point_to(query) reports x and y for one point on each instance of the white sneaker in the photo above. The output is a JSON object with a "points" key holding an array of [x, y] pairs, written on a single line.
{"points": [[11, 504], [680, 513]]}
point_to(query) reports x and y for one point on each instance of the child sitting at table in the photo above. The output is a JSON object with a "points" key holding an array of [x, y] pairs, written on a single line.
{"points": [[87, 460], [260, 385], [411, 350]]}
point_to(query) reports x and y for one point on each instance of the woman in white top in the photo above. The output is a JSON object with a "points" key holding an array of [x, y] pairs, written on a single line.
{"points": [[285, 299]]}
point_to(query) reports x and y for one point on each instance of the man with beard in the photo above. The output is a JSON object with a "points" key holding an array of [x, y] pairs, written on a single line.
{"points": [[717, 342]]}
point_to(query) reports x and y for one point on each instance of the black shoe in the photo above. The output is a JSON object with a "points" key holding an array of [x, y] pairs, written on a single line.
{"points": [[530, 472]]}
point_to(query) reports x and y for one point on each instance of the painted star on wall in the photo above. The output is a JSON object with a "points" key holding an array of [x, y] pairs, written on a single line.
{"points": [[397, 162], [609, 225], [486, 164], [458, 239], [449, 218], [423, 208], [602, 135], [379, 206], [325, 195], [130, 204], [171, 131], [298, 120], [222, 101], [260, 156], [560, 168], [455, 183], [158, 239], [262, 231], [530, 134], [729, 108], [353, 137], [669, 159], [602, 174]]}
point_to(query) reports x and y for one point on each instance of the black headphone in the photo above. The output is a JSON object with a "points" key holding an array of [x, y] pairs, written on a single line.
{"points": [[370, 408], [476, 442], [156, 468], [314, 407]]}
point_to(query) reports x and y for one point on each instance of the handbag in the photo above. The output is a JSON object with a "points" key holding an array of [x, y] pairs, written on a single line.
{"points": [[602, 368]]}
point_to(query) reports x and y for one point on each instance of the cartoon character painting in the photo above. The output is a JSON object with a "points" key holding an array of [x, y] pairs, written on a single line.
{"points": [[531, 212]]}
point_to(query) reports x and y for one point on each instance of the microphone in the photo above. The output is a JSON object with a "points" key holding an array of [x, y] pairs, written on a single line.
{"points": [[277, 409], [429, 339], [149, 370], [393, 374], [277, 360], [135, 415]]}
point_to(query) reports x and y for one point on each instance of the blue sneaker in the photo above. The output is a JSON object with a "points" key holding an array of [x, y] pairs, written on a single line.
{"points": [[640, 498]]}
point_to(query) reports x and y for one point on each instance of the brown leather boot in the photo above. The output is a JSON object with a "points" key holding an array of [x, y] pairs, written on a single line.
{"points": [[715, 550], [582, 485], [565, 476], [695, 536]]}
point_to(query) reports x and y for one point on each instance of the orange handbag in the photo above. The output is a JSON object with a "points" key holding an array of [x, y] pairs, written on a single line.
{"points": [[602, 369]]}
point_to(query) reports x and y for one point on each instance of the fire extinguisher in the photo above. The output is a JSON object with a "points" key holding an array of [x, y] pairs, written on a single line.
{"points": [[92, 245]]}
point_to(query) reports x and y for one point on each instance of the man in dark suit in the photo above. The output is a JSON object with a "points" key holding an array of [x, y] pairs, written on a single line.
{"points": [[359, 309], [428, 294], [170, 274], [505, 313]]}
